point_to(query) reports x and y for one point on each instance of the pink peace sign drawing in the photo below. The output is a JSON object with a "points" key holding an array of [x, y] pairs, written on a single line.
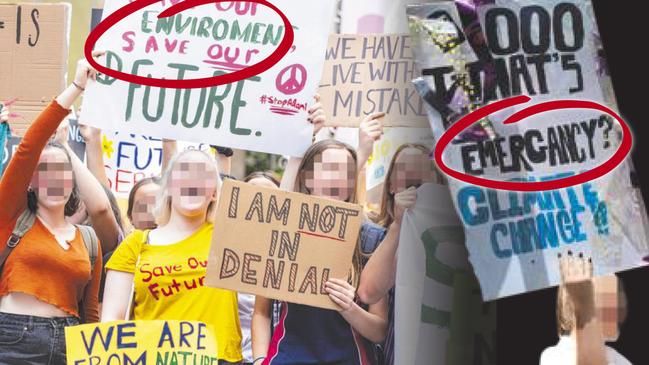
{"points": [[291, 80]]}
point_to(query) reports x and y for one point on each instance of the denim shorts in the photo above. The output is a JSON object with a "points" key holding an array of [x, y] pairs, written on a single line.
{"points": [[33, 340]]}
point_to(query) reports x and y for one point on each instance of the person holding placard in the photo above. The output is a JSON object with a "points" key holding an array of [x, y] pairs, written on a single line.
{"points": [[248, 306], [166, 266], [310, 335], [51, 268], [410, 168], [590, 311]]}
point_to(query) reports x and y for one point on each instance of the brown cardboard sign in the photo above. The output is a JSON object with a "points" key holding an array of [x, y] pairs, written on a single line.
{"points": [[281, 245], [33, 57], [364, 74]]}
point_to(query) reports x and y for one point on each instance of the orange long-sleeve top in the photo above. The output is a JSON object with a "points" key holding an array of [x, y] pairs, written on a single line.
{"points": [[39, 266]]}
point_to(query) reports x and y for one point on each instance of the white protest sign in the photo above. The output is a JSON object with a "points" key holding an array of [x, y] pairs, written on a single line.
{"points": [[129, 158], [440, 317], [514, 238], [264, 113]]}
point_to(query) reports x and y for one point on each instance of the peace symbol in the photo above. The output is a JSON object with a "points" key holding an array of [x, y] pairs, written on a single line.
{"points": [[292, 79]]}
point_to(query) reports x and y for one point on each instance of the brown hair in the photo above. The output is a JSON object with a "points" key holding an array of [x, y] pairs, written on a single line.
{"points": [[268, 175], [136, 187], [386, 214], [307, 165], [74, 200], [308, 161]]}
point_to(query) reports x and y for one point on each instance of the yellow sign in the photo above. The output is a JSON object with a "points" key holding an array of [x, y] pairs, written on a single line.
{"points": [[141, 343]]}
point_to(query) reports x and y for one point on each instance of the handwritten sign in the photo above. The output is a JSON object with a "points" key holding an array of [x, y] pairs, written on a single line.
{"points": [[281, 245], [205, 41], [514, 238], [365, 74], [141, 342], [34, 42]]}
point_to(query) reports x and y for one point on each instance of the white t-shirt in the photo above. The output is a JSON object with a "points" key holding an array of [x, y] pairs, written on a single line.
{"points": [[565, 352], [246, 307]]}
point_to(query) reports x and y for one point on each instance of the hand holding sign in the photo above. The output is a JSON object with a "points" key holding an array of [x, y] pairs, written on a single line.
{"points": [[85, 71], [341, 293], [284, 246], [404, 200], [317, 115], [369, 131], [577, 275]]}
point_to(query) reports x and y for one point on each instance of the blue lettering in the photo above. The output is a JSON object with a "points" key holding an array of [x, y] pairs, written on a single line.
{"points": [[105, 341], [166, 336], [564, 226], [122, 334], [503, 254], [482, 213]]}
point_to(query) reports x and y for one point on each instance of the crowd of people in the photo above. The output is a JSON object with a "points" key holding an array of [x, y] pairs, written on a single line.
{"points": [[84, 266], [70, 259]]}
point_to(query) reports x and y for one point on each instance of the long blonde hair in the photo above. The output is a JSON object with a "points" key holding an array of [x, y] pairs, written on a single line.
{"points": [[386, 214], [307, 165], [163, 207]]}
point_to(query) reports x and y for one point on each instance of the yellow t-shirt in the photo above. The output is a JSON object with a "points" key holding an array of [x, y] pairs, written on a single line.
{"points": [[169, 285]]}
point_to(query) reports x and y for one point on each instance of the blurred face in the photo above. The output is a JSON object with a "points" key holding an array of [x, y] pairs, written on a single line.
{"points": [[610, 305], [193, 184], [263, 182], [142, 216], [412, 168], [333, 175], [53, 179]]}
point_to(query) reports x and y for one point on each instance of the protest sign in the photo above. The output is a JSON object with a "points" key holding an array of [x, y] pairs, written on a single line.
{"points": [[33, 57], [370, 74], [141, 342], [440, 316], [281, 245], [129, 158], [514, 238], [386, 147], [206, 41]]}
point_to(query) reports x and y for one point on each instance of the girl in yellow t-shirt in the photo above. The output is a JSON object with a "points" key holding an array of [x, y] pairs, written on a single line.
{"points": [[168, 264]]}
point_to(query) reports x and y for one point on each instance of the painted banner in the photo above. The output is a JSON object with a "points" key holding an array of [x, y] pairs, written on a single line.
{"points": [[548, 52], [440, 316], [370, 74], [129, 158], [281, 245], [205, 41], [141, 342], [386, 147], [34, 43]]}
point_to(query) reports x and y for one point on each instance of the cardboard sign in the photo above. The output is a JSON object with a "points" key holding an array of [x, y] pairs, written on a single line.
{"points": [[33, 57], [514, 238], [141, 342], [281, 245], [370, 74], [206, 41], [440, 315]]}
